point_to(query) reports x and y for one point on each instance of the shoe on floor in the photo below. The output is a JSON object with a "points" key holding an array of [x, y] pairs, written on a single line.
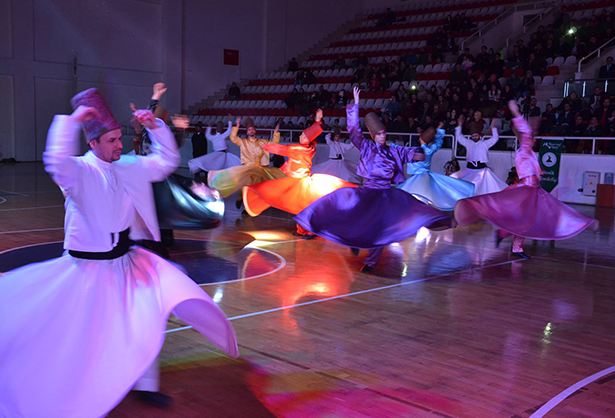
{"points": [[309, 236], [366, 269], [238, 204], [522, 255], [157, 399], [296, 234]]}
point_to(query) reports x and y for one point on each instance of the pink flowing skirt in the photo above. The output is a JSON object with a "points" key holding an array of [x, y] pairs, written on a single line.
{"points": [[526, 211], [77, 334]]}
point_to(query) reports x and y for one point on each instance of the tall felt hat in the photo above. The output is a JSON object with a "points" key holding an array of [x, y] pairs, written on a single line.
{"points": [[250, 123], [428, 135], [374, 124], [98, 126], [313, 131], [161, 113]]}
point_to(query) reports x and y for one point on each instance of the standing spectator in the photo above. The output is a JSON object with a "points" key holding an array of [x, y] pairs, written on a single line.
{"points": [[233, 92], [199, 142]]}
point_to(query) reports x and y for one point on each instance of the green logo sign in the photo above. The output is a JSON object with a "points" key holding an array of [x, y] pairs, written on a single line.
{"points": [[549, 157]]}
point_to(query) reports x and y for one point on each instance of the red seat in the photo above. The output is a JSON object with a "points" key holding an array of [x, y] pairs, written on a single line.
{"points": [[554, 70]]}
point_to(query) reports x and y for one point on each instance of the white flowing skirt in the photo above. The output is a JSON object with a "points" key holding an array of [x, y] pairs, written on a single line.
{"points": [[342, 169], [484, 179], [217, 160], [76, 334]]}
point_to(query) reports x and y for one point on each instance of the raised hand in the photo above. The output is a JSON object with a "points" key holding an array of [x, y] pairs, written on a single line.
{"points": [[319, 115], [180, 121], [238, 122], [356, 92], [83, 113], [460, 120], [277, 128], [145, 117], [493, 122], [159, 90], [441, 125]]}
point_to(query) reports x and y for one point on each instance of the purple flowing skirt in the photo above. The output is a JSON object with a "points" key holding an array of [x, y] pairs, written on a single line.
{"points": [[370, 218], [526, 211]]}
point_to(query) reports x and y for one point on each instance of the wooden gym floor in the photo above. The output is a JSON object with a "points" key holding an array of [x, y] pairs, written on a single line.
{"points": [[446, 326]]}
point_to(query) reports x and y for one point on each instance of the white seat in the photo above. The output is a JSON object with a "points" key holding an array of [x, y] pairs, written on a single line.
{"points": [[537, 79], [437, 68], [428, 68], [571, 60], [446, 66], [549, 61], [558, 62], [420, 68], [395, 86], [547, 81]]}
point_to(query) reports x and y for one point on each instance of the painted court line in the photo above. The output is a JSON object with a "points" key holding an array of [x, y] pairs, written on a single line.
{"points": [[31, 230], [278, 268], [543, 410], [376, 289], [31, 208]]}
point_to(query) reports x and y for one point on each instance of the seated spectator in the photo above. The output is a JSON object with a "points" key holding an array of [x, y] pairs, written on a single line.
{"points": [[466, 54], [550, 49], [592, 45], [293, 65], [548, 120], [497, 66], [495, 95], [391, 107], [467, 63], [477, 124], [594, 129], [579, 49], [292, 99], [508, 94], [573, 100], [530, 109], [299, 78], [603, 112], [578, 129], [565, 119], [374, 83], [562, 49], [597, 97], [608, 70], [537, 66], [483, 59], [340, 63], [526, 86], [410, 73], [233, 92], [310, 78], [466, 23], [342, 100]]}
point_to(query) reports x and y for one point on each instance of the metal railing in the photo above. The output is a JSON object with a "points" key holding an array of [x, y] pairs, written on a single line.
{"points": [[511, 144], [493, 23], [537, 18], [587, 86], [597, 52]]}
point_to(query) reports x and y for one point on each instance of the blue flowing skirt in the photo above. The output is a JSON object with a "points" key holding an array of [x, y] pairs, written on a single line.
{"points": [[370, 218], [437, 190]]}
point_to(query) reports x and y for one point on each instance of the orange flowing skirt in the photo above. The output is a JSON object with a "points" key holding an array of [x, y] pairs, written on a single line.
{"points": [[290, 194]]}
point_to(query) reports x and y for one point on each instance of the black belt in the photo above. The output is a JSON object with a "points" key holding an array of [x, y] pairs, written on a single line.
{"points": [[119, 250], [339, 157], [476, 165]]}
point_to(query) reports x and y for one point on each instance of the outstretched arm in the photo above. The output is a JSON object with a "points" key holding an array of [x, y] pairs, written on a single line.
{"points": [[228, 131], [459, 134], [63, 147], [164, 158], [495, 136], [276, 136], [234, 138], [352, 121]]}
